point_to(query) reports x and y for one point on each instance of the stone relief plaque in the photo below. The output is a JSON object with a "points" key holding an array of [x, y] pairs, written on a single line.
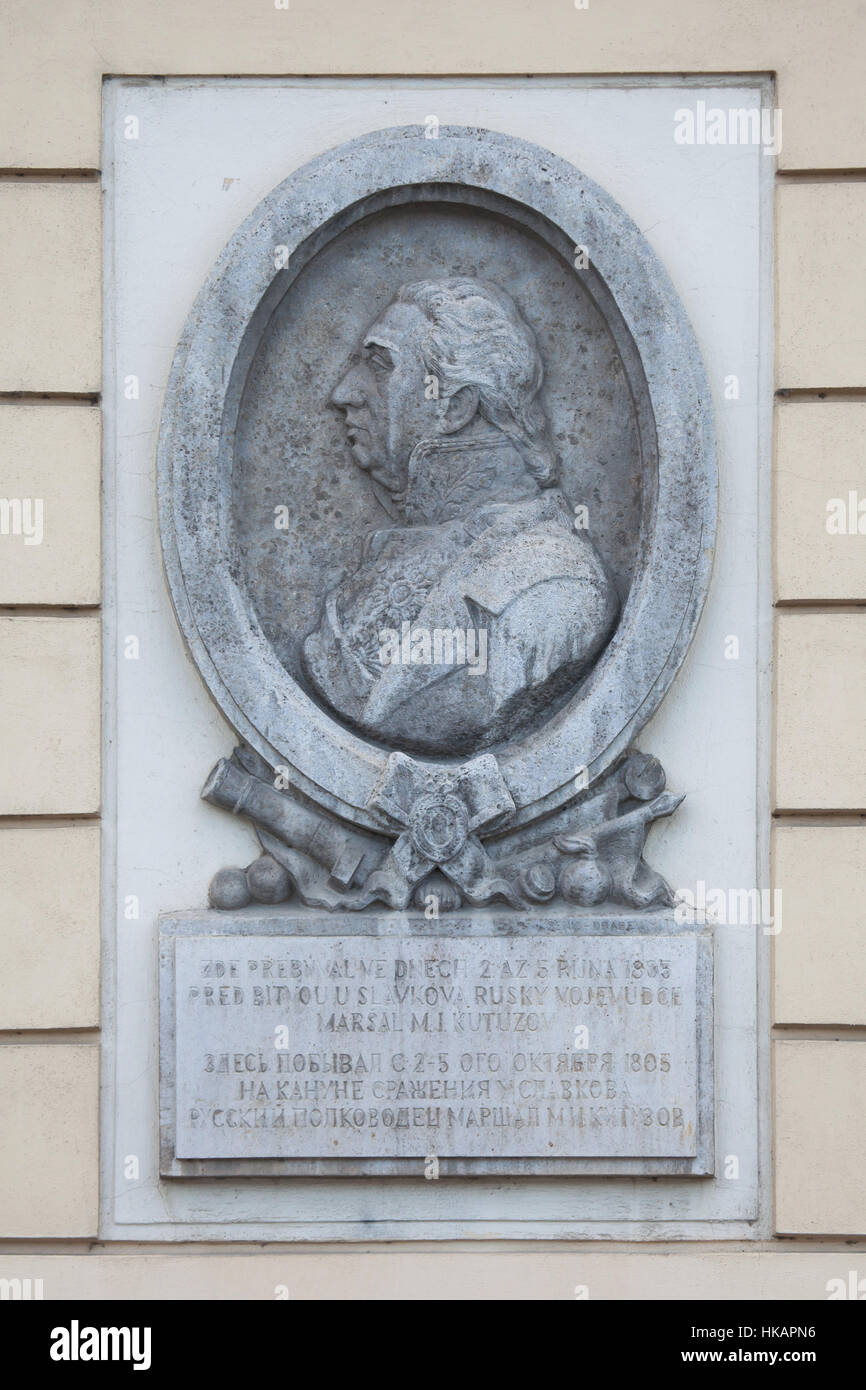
{"points": [[437, 501]]}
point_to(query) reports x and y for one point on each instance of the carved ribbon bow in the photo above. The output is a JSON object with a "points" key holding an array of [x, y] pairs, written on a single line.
{"points": [[440, 812]]}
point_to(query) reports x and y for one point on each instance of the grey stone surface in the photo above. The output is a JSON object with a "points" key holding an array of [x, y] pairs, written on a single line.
{"points": [[377, 1045], [461, 571], [441, 856], [517, 214]]}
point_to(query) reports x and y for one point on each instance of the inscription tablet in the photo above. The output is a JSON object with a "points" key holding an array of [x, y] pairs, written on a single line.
{"points": [[405, 1050]]}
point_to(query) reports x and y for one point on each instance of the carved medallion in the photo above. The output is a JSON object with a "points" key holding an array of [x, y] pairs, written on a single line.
{"points": [[437, 496]]}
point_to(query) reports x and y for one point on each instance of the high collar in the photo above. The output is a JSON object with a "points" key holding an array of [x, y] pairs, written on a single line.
{"points": [[449, 478]]}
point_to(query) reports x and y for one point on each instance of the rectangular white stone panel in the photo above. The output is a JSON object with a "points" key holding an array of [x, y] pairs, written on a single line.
{"points": [[172, 202], [516, 1053]]}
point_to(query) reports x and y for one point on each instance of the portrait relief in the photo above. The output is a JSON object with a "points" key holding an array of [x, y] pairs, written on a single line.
{"points": [[481, 603], [438, 410], [430, 548]]}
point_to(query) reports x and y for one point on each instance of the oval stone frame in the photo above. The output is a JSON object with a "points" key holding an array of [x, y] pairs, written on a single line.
{"points": [[328, 763]]}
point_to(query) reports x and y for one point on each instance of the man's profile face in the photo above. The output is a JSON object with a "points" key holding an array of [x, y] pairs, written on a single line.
{"points": [[383, 396]]}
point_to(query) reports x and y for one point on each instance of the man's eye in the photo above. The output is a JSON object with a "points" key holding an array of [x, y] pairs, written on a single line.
{"points": [[379, 361]]}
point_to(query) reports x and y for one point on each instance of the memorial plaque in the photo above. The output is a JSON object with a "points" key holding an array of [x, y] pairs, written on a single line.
{"points": [[576, 1050], [437, 495]]}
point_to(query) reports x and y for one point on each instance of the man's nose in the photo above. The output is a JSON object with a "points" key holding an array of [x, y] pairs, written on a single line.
{"points": [[349, 390]]}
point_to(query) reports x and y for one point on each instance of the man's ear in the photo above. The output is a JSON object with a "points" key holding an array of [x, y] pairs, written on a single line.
{"points": [[458, 409]]}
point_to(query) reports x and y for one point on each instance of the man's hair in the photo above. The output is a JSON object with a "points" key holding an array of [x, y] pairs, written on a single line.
{"points": [[478, 338]]}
